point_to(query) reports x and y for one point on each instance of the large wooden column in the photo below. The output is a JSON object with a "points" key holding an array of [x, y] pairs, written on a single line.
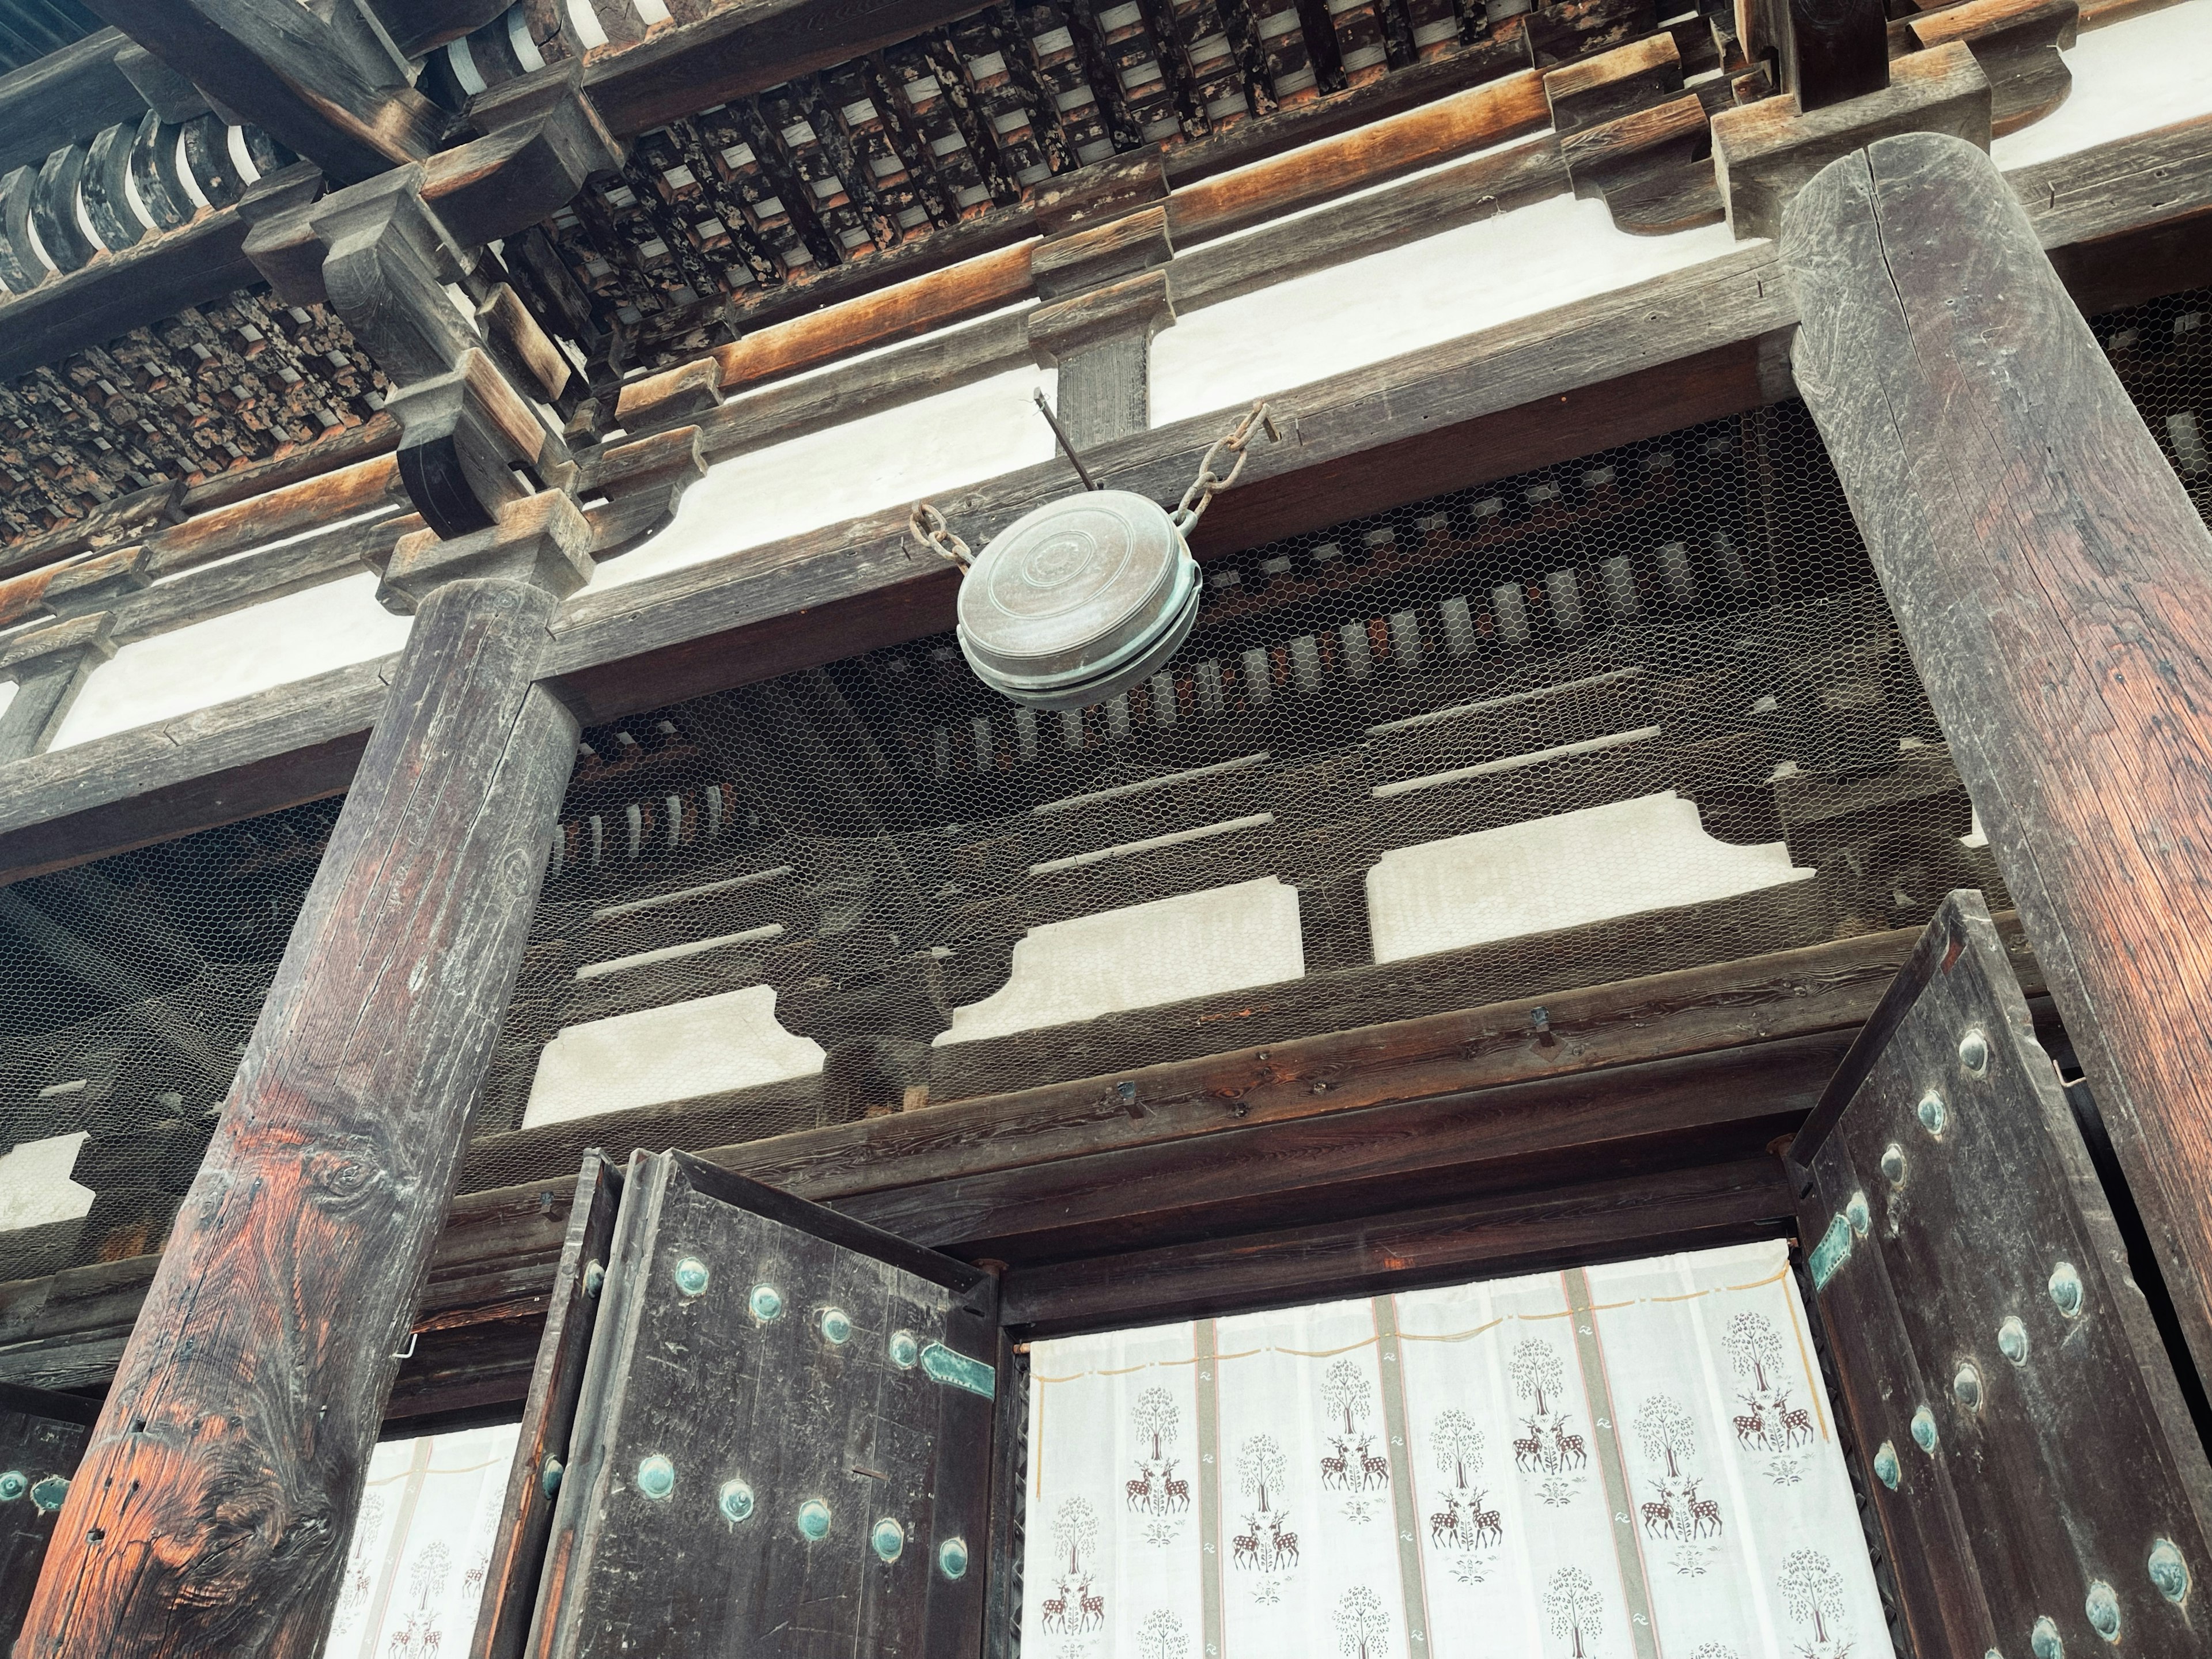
{"points": [[2054, 585], [211, 1513]]}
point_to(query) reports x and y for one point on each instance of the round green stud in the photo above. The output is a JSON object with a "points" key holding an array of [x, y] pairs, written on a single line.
{"points": [[904, 1350], [2169, 1573], [2066, 1289], [1924, 1430], [1857, 1213], [1974, 1052], [656, 1476], [2044, 1640], [1967, 1385], [887, 1538], [814, 1520], [691, 1276], [1892, 1164], [2103, 1607], [549, 1476], [766, 1301], [595, 1275], [836, 1326], [49, 1492], [2012, 1340], [13, 1484], [1933, 1115], [952, 1558], [1886, 1468], [735, 1500]]}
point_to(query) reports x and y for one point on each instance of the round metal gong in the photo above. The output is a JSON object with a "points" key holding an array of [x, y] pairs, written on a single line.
{"points": [[1077, 600]]}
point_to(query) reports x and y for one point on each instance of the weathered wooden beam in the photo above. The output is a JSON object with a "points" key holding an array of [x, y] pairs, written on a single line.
{"points": [[2126, 222], [65, 97], [210, 1513], [2054, 584], [118, 292], [339, 96]]}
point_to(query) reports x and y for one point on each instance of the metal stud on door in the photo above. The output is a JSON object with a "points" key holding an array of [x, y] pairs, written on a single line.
{"points": [[783, 1448], [2042, 1488]]}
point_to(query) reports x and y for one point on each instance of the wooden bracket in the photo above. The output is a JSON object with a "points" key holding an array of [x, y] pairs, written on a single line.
{"points": [[1136, 307], [1824, 51], [642, 480], [675, 397], [1633, 138], [543, 540], [2017, 43], [387, 258], [1765, 152], [523, 351], [542, 140], [463, 437], [95, 584], [1099, 193], [49, 666], [1103, 253]]}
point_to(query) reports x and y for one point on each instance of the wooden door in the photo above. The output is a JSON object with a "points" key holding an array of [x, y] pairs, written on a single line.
{"points": [[42, 1439], [783, 1446], [2040, 1484]]}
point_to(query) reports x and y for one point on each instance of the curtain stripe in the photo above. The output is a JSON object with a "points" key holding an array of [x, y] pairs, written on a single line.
{"points": [[1606, 1433], [1411, 1577], [1209, 1484]]}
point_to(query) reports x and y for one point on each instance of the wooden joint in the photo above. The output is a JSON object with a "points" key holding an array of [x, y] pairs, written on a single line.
{"points": [[642, 480], [544, 540], [523, 351], [542, 140], [1763, 154], [386, 259], [674, 397], [2017, 43], [282, 243], [1613, 84], [1062, 266], [1824, 51], [469, 444], [1104, 191], [1653, 169], [94, 584], [1139, 306], [57, 645]]}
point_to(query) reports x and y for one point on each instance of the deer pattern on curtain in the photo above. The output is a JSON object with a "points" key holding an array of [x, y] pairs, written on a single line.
{"points": [[1633, 1461]]}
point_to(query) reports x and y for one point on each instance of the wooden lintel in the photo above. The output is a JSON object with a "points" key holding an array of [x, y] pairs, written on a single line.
{"points": [[2124, 222], [63, 98]]}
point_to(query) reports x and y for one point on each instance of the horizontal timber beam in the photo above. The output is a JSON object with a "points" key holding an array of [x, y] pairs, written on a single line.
{"points": [[2126, 222], [1571, 1092]]}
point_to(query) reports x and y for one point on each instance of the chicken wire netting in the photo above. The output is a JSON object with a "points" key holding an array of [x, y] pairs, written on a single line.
{"points": [[1627, 714]]}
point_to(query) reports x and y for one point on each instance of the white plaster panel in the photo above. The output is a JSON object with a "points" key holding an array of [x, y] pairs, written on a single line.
{"points": [[8, 689], [2131, 77], [703, 1047], [953, 438], [233, 656], [35, 1188], [1561, 872], [1222, 939], [1472, 277]]}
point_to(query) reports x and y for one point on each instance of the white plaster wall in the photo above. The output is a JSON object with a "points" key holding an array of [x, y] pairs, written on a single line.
{"points": [[1474, 276], [1561, 872], [703, 1047], [2129, 77], [35, 1188], [1222, 940], [8, 689], [233, 656], [889, 458]]}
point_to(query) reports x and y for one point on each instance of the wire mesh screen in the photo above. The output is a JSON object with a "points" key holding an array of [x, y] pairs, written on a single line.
{"points": [[1635, 713]]}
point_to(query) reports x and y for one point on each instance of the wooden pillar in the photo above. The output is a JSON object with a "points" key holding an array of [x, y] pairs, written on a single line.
{"points": [[211, 1513], [2054, 586]]}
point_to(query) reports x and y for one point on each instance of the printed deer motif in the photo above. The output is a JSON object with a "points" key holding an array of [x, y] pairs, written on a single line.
{"points": [[1178, 1491], [1529, 1453], [1752, 1430], [1659, 1519], [1704, 1512], [1332, 1469], [1443, 1525], [1373, 1471], [1055, 1613], [1286, 1547], [1141, 1492], [1094, 1613], [1572, 1449], [1244, 1547], [1488, 1525], [1796, 1425]]}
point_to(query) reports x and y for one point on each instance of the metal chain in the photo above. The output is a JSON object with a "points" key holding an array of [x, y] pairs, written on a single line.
{"points": [[927, 525], [1210, 483]]}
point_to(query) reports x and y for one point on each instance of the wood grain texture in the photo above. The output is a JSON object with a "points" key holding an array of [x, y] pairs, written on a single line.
{"points": [[214, 1509], [2054, 584], [2051, 1468]]}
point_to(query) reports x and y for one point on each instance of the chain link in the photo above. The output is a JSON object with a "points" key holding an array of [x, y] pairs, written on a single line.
{"points": [[1210, 483], [928, 526]]}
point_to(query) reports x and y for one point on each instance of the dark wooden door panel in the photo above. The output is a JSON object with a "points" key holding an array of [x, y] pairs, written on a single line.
{"points": [[42, 1440], [2040, 1479], [783, 1445]]}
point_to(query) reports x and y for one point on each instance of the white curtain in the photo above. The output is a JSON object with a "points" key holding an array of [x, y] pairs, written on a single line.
{"points": [[1633, 1461], [421, 1543]]}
